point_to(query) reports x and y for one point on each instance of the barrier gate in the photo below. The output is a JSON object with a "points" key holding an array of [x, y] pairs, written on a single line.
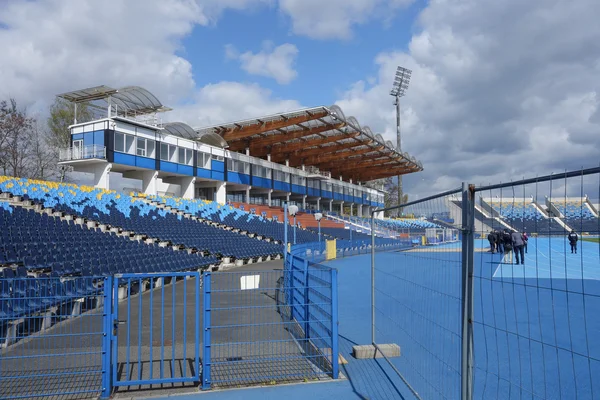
{"points": [[155, 336]]}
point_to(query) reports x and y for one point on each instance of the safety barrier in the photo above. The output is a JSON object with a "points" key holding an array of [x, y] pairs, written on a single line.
{"points": [[502, 302], [256, 337], [154, 336], [90, 336], [52, 337]]}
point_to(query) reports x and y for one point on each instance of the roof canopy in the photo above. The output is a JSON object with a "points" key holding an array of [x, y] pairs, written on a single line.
{"points": [[185, 131], [321, 137], [127, 100]]}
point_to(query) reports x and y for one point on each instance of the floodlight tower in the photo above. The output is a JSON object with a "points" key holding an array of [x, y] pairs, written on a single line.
{"points": [[401, 81]]}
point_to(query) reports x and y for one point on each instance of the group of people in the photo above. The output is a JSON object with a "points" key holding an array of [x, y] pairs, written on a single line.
{"points": [[506, 242]]}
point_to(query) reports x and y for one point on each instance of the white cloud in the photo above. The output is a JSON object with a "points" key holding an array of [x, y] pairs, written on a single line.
{"points": [[51, 46], [272, 62], [230, 101], [334, 19], [489, 101]]}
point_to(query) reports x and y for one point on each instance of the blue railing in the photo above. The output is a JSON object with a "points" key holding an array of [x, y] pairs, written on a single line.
{"points": [[52, 337], [254, 333], [154, 336], [88, 335]]}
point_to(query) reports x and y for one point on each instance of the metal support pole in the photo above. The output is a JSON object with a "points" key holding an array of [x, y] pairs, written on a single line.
{"points": [[285, 233], [468, 226], [319, 231], [294, 229], [334, 326], [373, 277], [399, 147], [206, 354], [107, 339]]}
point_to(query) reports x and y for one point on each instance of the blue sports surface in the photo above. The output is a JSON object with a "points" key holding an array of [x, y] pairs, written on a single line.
{"points": [[536, 326]]}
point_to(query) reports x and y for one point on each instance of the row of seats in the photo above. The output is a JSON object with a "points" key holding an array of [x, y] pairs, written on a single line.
{"points": [[524, 216], [22, 296], [236, 218], [356, 237], [44, 243], [140, 216]]}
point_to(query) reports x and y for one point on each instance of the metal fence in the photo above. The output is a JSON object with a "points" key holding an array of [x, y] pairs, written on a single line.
{"points": [[270, 327], [52, 337], [80, 337], [155, 329], [510, 309]]}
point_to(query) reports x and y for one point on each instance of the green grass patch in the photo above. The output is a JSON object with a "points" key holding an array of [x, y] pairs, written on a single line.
{"points": [[594, 240]]}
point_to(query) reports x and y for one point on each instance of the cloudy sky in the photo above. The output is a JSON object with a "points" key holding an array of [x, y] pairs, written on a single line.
{"points": [[500, 89]]}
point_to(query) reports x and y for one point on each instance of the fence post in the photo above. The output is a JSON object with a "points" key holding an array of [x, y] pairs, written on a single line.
{"points": [[373, 277], [206, 337], [334, 325], [468, 226], [306, 307], [291, 287], [106, 339], [197, 324], [285, 233]]}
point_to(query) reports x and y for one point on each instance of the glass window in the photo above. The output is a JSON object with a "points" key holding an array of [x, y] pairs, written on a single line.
{"points": [[164, 152], [204, 160], [173, 153], [150, 148], [129, 144], [119, 142], [189, 153], [181, 155], [141, 147], [216, 157]]}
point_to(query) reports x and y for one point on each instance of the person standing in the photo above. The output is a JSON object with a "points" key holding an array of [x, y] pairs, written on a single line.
{"points": [[518, 245], [492, 239], [525, 240], [573, 238], [507, 242], [499, 242]]}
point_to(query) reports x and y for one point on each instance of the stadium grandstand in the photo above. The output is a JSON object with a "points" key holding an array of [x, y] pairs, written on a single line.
{"points": [[209, 199], [546, 217], [316, 158]]}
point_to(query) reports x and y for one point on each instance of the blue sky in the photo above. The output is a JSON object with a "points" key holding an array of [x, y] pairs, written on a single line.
{"points": [[499, 90], [326, 67]]}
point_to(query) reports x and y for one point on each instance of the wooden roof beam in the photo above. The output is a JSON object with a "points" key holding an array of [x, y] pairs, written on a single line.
{"points": [[358, 162], [315, 160], [298, 155], [238, 133], [352, 167], [382, 173], [262, 146]]}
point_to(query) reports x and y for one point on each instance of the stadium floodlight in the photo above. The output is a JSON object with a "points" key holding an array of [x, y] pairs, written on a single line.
{"points": [[318, 217], [399, 88]]}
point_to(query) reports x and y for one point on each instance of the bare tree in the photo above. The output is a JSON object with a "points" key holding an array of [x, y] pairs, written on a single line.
{"points": [[43, 157], [62, 115], [15, 139]]}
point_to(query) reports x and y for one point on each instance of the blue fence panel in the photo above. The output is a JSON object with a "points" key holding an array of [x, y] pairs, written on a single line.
{"points": [[52, 336], [252, 337], [155, 335]]}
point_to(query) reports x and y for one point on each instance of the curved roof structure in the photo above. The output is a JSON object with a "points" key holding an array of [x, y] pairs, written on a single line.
{"points": [[322, 137], [185, 131], [180, 129], [127, 100]]}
